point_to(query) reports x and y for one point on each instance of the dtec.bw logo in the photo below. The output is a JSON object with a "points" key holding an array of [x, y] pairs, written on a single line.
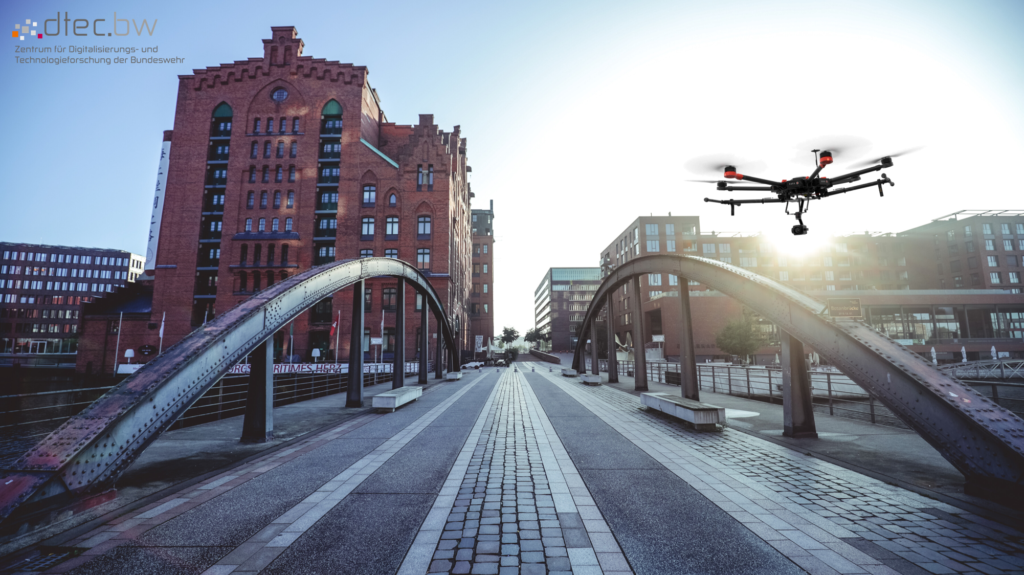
{"points": [[22, 30], [80, 27]]}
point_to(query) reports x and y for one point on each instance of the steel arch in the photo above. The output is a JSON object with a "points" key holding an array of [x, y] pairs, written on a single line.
{"points": [[93, 448], [982, 440]]}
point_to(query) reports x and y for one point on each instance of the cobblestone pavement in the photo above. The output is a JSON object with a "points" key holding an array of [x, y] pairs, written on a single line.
{"points": [[516, 510], [823, 517]]}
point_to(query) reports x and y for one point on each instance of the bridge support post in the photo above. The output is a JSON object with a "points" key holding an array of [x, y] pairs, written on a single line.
{"points": [[797, 404], [355, 350], [593, 348], [438, 367], [398, 371], [424, 339], [639, 360], [258, 425], [613, 361], [687, 356]]}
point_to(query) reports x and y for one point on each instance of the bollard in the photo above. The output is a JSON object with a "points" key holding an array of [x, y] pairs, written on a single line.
{"points": [[533, 369]]}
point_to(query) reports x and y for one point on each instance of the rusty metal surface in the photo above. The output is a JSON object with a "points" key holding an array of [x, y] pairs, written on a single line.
{"points": [[90, 450], [982, 440]]}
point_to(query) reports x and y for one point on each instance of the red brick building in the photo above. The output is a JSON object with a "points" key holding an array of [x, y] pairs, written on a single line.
{"points": [[283, 162], [481, 307]]}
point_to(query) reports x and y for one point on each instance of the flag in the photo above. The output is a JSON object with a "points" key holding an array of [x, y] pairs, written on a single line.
{"points": [[162, 325], [334, 328]]}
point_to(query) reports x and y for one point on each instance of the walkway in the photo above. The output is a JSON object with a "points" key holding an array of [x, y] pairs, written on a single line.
{"points": [[527, 472]]}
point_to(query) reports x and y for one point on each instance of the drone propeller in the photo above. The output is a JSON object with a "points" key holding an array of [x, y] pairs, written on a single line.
{"points": [[896, 155], [718, 163], [841, 146], [705, 181]]}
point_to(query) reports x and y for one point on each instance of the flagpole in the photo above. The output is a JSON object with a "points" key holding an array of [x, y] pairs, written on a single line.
{"points": [[117, 349], [337, 336], [164, 319]]}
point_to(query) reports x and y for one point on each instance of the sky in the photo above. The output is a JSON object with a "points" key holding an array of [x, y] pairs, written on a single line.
{"points": [[580, 116]]}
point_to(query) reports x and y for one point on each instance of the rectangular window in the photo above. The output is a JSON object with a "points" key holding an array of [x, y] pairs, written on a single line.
{"points": [[391, 253], [724, 248], [652, 246], [993, 261], [273, 225], [654, 279], [990, 245], [670, 245], [651, 229], [986, 229], [263, 225], [1014, 277], [995, 277], [1004, 229], [365, 253], [248, 224], [709, 249], [423, 258], [1008, 245], [670, 229], [485, 268]]}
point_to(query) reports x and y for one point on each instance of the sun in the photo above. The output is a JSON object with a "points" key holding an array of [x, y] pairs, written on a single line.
{"points": [[796, 246]]}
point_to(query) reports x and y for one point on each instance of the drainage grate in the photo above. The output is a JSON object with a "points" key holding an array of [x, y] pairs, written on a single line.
{"points": [[44, 559]]}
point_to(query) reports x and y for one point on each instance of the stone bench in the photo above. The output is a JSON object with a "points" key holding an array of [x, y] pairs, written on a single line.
{"points": [[701, 416], [590, 379], [568, 372], [453, 376], [392, 400]]}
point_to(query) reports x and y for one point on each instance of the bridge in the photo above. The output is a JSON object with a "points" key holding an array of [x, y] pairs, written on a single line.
{"points": [[981, 439], [522, 470]]}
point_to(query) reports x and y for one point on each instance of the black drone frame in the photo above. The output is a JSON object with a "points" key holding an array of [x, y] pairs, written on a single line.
{"points": [[802, 190]]}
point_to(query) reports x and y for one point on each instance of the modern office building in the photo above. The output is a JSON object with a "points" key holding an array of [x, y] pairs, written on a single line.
{"points": [[560, 302], [481, 307], [42, 289], [301, 167], [889, 273]]}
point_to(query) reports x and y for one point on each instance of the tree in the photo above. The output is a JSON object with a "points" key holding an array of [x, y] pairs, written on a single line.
{"points": [[509, 334], [738, 337]]}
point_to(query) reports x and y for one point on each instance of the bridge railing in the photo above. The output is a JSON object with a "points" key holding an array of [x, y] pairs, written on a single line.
{"points": [[27, 417], [831, 390], [987, 369]]}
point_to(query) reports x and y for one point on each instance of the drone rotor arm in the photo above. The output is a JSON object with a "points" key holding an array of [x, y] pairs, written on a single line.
{"points": [[757, 180], [854, 176], [879, 182], [747, 188]]}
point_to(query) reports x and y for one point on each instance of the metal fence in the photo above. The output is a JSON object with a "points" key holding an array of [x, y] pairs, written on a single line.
{"points": [[987, 369], [832, 391]]}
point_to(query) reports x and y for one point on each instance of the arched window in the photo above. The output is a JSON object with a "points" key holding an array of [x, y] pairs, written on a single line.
{"points": [[256, 281], [287, 224], [257, 254], [277, 199], [284, 254], [270, 125], [280, 147], [220, 124], [295, 125], [270, 279], [282, 126], [393, 201], [243, 282], [270, 255], [252, 175], [266, 149], [255, 150], [294, 150], [251, 201], [330, 118], [423, 228], [367, 229], [266, 175], [391, 228], [283, 276], [244, 255], [291, 199], [279, 174], [273, 225], [291, 174], [263, 200]]}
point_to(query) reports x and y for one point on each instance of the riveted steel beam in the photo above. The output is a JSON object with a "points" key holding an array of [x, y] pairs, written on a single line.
{"points": [[982, 440], [90, 450]]}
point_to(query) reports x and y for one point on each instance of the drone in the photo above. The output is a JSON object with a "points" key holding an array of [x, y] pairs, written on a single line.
{"points": [[802, 190]]}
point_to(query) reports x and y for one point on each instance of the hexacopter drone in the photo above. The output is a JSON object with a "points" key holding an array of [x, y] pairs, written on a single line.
{"points": [[802, 190]]}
